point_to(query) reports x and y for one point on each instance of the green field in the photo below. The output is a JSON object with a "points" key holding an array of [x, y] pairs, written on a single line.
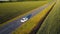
{"points": [[12, 9], [51, 25], [28, 26]]}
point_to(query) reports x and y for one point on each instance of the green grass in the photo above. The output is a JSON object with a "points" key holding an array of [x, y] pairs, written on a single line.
{"points": [[51, 25], [13, 9]]}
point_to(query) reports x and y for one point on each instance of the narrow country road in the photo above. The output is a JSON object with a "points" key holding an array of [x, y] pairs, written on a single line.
{"points": [[11, 26]]}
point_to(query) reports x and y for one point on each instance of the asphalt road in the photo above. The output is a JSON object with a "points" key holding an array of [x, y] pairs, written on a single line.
{"points": [[11, 26]]}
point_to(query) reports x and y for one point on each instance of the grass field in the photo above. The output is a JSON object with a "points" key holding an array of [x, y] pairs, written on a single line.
{"points": [[27, 27], [13, 9], [51, 25]]}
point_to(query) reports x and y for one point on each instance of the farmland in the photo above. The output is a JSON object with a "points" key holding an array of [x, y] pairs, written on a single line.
{"points": [[13, 9], [51, 25]]}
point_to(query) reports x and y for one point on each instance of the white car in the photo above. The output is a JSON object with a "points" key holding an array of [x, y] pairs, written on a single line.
{"points": [[24, 19]]}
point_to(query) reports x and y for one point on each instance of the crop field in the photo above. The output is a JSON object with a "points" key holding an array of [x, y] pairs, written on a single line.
{"points": [[13, 9], [30, 17], [51, 25], [27, 27]]}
